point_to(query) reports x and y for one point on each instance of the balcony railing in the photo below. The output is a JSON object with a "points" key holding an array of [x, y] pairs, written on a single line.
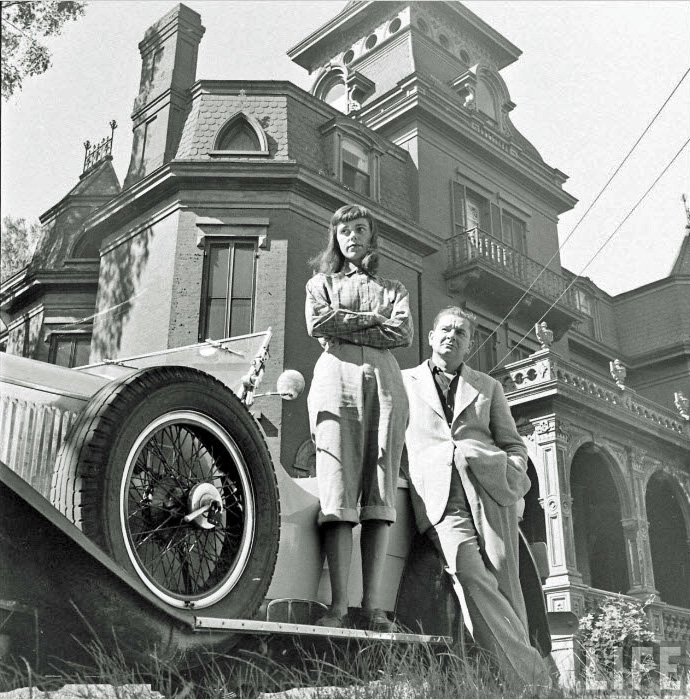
{"points": [[527, 375], [475, 245]]}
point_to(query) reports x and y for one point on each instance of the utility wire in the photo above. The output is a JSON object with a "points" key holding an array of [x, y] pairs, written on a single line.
{"points": [[591, 206], [111, 309], [601, 247]]}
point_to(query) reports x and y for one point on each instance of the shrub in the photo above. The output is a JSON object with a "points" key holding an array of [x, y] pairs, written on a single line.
{"points": [[608, 635]]}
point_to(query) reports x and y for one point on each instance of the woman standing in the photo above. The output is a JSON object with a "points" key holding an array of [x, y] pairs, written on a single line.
{"points": [[357, 406]]}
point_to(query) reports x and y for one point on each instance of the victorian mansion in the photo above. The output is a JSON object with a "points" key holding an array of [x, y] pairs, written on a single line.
{"points": [[230, 189]]}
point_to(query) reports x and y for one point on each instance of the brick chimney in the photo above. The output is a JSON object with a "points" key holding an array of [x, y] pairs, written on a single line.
{"points": [[169, 52]]}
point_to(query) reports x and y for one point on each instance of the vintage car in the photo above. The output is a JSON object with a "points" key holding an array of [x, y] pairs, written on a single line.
{"points": [[140, 506]]}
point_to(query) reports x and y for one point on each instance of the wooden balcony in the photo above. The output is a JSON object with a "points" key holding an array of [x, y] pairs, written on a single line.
{"points": [[482, 267]]}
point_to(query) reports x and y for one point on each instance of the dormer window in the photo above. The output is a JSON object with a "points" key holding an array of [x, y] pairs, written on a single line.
{"points": [[484, 91], [241, 135], [355, 167], [336, 95], [355, 155], [586, 305], [342, 88], [486, 102]]}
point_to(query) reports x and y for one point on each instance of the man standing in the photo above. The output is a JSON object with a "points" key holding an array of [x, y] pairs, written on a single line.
{"points": [[468, 476]]}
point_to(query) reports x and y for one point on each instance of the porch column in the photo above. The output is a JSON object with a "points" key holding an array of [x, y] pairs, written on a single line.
{"points": [[636, 528], [552, 439]]}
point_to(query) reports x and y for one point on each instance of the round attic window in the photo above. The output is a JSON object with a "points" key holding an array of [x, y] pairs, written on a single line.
{"points": [[443, 40], [348, 57], [371, 41], [394, 25], [464, 56], [423, 26]]}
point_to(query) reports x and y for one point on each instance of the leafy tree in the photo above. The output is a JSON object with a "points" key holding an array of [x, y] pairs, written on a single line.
{"points": [[19, 240], [23, 24]]}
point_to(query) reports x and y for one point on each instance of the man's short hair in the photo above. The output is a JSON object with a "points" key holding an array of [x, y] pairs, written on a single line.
{"points": [[460, 313]]}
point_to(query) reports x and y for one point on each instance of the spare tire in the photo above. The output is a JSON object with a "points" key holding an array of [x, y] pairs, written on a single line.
{"points": [[168, 472]]}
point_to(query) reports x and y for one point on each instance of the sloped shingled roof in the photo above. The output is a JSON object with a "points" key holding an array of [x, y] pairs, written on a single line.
{"points": [[682, 263]]}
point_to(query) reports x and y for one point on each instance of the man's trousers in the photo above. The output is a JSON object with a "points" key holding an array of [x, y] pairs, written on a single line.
{"points": [[488, 614]]}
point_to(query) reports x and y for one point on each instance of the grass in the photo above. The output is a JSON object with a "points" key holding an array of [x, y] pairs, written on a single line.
{"points": [[325, 671]]}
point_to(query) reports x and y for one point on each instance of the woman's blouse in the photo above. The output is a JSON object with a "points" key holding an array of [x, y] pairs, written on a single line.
{"points": [[354, 306]]}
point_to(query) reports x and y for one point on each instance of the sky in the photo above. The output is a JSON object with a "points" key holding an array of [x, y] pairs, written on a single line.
{"points": [[591, 77]]}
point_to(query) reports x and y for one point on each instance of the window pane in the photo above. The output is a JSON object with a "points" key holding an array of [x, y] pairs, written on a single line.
{"points": [[63, 351], [507, 229], [243, 271], [354, 179], [241, 317], [336, 96], [355, 156], [583, 302], [361, 183], [82, 351], [240, 137], [215, 319], [474, 218], [485, 100], [519, 235], [219, 256], [483, 357]]}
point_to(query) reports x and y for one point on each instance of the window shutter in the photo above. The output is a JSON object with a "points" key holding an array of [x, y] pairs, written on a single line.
{"points": [[496, 222], [458, 206]]}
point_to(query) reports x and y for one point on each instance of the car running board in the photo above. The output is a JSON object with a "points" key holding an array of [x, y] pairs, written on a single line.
{"points": [[285, 629]]}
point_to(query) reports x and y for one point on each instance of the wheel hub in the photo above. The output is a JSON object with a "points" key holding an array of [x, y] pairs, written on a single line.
{"points": [[204, 505], [162, 500]]}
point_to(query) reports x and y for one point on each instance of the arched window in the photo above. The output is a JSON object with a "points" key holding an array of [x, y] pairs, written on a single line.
{"points": [[241, 135], [342, 88], [335, 94], [486, 101]]}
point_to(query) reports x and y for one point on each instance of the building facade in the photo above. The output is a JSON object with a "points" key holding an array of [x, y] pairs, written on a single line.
{"points": [[228, 194]]}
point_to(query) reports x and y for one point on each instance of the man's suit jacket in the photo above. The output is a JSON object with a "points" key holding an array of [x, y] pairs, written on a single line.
{"points": [[484, 445]]}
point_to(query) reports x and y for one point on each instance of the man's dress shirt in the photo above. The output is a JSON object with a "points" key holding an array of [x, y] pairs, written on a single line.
{"points": [[446, 387]]}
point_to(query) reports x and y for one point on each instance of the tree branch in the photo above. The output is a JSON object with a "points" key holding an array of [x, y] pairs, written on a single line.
{"points": [[24, 34]]}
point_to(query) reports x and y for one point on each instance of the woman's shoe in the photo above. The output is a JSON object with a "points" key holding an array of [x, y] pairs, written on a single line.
{"points": [[332, 621], [377, 620]]}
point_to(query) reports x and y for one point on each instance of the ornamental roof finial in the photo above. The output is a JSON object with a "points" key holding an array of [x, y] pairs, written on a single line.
{"points": [[618, 373], [544, 335]]}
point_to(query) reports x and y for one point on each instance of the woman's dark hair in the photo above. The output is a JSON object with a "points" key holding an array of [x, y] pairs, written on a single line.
{"points": [[330, 259]]}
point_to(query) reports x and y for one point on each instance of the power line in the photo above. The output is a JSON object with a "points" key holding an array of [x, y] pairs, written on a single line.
{"points": [[591, 206], [601, 247]]}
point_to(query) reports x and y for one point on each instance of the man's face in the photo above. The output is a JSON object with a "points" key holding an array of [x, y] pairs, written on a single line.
{"points": [[451, 339]]}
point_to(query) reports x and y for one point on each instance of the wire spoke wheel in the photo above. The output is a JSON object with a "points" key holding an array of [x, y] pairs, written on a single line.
{"points": [[187, 509], [166, 470]]}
